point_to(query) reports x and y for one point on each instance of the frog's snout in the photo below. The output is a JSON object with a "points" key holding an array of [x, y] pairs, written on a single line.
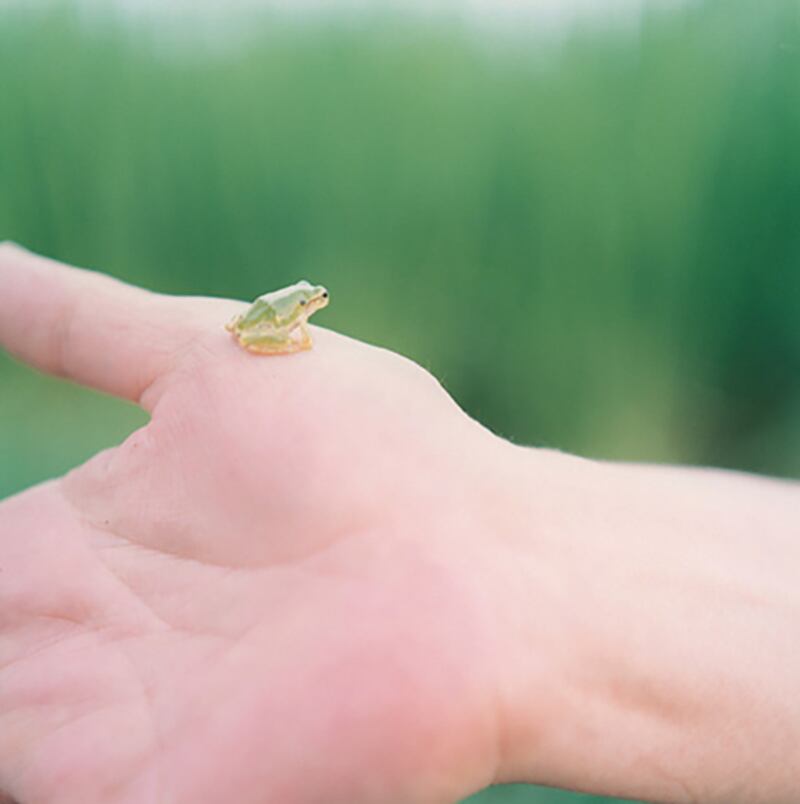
{"points": [[318, 302]]}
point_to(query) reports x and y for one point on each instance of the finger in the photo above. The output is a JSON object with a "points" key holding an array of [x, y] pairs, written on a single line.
{"points": [[94, 329]]}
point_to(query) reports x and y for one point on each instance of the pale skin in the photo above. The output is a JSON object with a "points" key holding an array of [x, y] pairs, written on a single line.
{"points": [[312, 578]]}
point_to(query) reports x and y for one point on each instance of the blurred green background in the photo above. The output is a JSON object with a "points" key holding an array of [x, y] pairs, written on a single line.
{"points": [[593, 241]]}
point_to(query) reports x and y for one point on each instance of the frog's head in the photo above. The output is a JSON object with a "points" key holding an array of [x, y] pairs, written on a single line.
{"points": [[300, 301]]}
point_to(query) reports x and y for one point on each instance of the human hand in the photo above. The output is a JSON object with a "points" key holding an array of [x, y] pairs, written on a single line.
{"points": [[314, 579], [265, 594]]}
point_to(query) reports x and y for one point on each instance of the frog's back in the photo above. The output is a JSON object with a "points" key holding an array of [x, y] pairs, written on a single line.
{"points": [[261, 311]]}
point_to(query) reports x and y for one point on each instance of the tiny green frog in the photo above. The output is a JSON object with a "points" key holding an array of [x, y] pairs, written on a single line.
{"points": [[277, 323]]}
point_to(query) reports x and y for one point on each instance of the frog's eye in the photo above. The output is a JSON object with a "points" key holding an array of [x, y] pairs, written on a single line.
{"points": [[302, 301], [325, 295]]}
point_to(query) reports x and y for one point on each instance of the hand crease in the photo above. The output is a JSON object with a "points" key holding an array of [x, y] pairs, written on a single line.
{"points": [[109, 529]]}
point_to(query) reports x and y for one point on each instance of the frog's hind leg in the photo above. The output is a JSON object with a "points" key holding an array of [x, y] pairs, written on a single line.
{"points": [[267, 344], [298, 340]]}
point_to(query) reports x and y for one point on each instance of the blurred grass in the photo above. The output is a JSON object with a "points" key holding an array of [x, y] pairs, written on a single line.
{"points": [[596, 246]]}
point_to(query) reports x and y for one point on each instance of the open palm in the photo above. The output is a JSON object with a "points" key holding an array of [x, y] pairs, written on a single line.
{"points": [[257, 597]]}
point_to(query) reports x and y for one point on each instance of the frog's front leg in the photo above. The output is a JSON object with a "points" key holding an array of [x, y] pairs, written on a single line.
{"points": [[305, 341]]}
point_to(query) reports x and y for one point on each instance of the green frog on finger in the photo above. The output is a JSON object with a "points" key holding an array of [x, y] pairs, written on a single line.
{"points": [[277, 322]]}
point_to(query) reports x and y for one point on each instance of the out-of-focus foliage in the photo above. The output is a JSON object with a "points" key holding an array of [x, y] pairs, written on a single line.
{"points": [[595, 245]]}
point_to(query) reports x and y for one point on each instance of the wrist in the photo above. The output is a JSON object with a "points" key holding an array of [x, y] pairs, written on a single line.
{"points": [[536, 567], [629, 600], [579, 705]]}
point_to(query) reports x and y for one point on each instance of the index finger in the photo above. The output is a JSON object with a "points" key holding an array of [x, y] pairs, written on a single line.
{"points": [[92, 328]]}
